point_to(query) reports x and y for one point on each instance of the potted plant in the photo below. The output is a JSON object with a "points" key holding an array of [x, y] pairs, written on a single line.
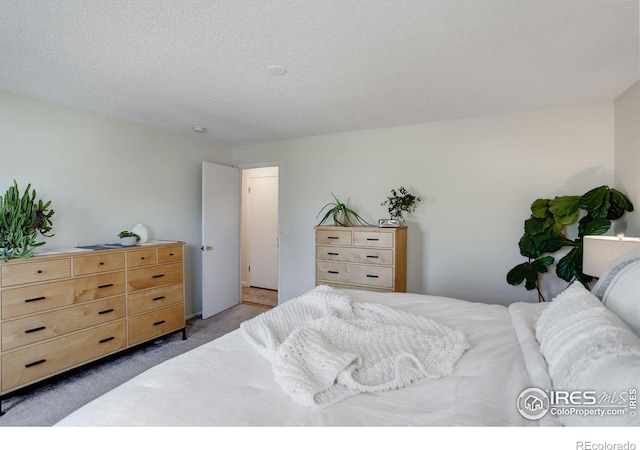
{"points": [[22, 219], [128, 238], [398, 203], [545, 234], [341, 214]]}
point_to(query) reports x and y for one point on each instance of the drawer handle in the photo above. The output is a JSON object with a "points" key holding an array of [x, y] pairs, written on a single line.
{"points": [[35, 363], [101, 263], [33, 330], [36, 299], [170, 254], [158, 298], [159, 323], [333, 237], [102, 341], [39, 271], [333, 253], [142, 257], [158, 276], [373, 256], [106, 311], [105, 285], [373, 276], [373, 239], [333, 271]]}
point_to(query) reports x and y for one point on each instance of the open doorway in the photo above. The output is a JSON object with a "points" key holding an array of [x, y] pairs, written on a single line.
{"points": [[259, 237]]}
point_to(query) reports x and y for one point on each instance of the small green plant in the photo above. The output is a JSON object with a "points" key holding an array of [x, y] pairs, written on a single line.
{"points": [[125, 234], [545, 233], [400, 202], [341, 214], [22, 218]]}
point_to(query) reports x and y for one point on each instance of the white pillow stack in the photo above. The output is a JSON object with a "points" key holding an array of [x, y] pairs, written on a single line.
{"points": [[588, 347]]}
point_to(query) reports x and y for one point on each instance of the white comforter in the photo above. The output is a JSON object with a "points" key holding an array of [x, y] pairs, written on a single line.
{"points": [[227, 382]]}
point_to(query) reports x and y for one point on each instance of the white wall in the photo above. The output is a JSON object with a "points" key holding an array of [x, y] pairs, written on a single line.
{"points": [[104, 175], [627, 154], [477, 177]]}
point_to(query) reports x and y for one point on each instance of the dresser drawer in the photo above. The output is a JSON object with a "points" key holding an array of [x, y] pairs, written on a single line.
{"points": [[105, 262], [359, 274], [31, 272], [372, 239], [141, 258], [354, 254], [154, 276], [349, 286], [156, 323], [169, 254], [31, 329], [333, 237], [155, 298], [33, 299], [26, 365]]}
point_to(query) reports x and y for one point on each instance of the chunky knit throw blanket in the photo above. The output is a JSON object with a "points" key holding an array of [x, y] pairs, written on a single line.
{"points": [[323, 348]]}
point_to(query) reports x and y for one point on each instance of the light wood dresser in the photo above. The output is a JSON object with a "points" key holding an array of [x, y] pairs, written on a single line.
{"points": [[369, 258], [60, 311]]}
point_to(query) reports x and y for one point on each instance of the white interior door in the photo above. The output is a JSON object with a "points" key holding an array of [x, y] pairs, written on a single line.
{"points": [[221, 204], [263, 231]]}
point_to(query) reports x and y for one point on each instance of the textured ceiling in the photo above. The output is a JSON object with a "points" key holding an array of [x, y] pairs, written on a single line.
{"points": [[350, 64]]}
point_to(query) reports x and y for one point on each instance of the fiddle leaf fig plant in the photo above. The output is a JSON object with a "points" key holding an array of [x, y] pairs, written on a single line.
{"points": [[341, 214], [545, 234], [22, 219], [400, 202]]}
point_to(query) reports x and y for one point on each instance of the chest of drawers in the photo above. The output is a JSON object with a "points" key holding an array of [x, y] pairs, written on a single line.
{"points": [[61, 311], [369, 258]]}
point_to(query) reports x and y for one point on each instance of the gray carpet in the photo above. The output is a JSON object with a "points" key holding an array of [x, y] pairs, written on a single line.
{"points": [[51, 402]]}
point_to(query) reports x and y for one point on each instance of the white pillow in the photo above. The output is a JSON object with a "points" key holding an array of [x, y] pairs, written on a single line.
{"points": [[588, 347], [622, 295], [614, 269]]}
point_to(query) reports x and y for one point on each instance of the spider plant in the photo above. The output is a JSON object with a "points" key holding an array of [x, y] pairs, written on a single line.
{"points": [[341, 214]]}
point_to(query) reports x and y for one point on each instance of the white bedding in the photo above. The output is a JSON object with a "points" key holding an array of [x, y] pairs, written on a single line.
{"points": [[227, 382], [324, 348]]}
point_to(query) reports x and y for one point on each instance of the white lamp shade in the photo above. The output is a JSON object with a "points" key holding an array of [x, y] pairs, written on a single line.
{"points": [[600, 251]]}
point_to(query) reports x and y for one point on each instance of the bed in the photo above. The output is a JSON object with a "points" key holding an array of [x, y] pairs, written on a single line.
{"points": [[503, 362]]}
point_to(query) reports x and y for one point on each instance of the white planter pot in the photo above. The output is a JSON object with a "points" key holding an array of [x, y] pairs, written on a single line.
{"points": [[128, 241]]}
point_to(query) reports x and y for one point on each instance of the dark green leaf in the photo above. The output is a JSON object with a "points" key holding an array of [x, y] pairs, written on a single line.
{"points": [[596, 202], [528, 247], [570, 265], [594, 227], [522, 272], [535, 226], [554, 243], [541, 264], [622, 200], [620, 204]]}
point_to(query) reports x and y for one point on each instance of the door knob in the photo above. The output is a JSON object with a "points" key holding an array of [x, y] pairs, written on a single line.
{"points": [[207, 248]]}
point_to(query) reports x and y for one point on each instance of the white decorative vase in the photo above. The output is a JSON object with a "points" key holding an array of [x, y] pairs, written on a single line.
{"points": [[141, 231]]}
